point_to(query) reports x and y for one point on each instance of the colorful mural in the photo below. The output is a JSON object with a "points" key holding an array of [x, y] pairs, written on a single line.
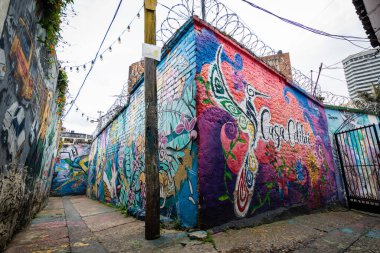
{"points": [[263, 143], [29, 125], [70, 172], [341, 119], [116, 165]]}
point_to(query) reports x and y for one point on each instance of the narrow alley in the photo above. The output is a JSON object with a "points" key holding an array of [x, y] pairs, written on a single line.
{"points": [[78, 224], [171, 126]]}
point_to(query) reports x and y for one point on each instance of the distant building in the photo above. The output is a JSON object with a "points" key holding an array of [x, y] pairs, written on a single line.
{"points": [[70, 138], [280, 62], [362, 71]]}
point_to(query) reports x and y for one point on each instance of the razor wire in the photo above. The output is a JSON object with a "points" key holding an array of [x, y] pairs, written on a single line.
{"points": [[224, 19]]}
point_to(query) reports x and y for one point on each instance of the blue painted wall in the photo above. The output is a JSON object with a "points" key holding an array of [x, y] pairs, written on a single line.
{"points": [[116, 167]]}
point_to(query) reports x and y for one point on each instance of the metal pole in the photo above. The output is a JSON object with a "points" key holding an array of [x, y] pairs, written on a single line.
{"points": [[152, 208], [203, 10], [316, 83], [311, 76]]}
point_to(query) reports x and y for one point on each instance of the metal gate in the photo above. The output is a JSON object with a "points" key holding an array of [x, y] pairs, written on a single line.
{"points": [[359, 155]]}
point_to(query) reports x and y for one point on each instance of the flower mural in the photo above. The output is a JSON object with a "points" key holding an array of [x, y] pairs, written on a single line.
{"points": [[117, 158], [262, 143]]}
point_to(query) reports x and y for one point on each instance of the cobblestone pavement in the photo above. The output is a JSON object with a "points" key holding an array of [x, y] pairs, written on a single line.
{"points": [[78, 224]]}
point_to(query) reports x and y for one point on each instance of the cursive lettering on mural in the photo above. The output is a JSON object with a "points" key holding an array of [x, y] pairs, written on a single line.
{"points": [[293, 133]]}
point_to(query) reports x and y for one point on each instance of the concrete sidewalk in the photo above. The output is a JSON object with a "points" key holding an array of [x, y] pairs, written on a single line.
{"points": [[78, 224]]}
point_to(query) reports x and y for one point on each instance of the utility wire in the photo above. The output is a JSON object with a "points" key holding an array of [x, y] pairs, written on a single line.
{"points": [[349, 39], [333, 78], [127, 28], [95, 58]]}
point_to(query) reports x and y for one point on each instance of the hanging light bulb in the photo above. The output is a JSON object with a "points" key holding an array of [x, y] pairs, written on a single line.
{"points": [[84, 66], [77, 109], [64, 68], [92, 62], [77, 69], [71, 68], [138, 15], [129, 28], [110, 49], [119, 40], [101, 57], [82, 114]]}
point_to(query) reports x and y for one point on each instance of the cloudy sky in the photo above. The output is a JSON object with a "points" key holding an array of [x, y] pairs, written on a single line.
{"points": [[85, 31]]}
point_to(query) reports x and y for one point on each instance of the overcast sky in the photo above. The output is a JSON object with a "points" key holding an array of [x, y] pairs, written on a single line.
{"points": [[307, 50]]}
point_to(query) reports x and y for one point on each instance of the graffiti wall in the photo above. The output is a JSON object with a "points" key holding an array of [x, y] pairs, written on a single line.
{"points": [[263, 144], [342, 119], [71, 170], [116, 164], [28, 122]]}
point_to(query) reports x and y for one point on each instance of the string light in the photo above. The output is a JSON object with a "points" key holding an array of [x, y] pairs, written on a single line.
{"points": [[109, 48], [84, 115]]}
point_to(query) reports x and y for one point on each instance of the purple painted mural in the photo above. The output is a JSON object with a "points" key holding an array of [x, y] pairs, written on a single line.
{"points": [[263, 143]]}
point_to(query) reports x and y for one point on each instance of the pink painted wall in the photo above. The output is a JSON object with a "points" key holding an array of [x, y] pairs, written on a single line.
{"points": [[263, 144]]}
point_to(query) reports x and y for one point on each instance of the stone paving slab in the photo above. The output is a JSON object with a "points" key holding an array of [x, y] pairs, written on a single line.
{"points": [[91, 207], [276, 236], [78, 224], [106, 220], [327, 221]]}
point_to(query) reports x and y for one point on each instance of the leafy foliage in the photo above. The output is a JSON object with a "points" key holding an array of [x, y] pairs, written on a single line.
{"points": [[62, 84], [370, 101], [51, 18]]}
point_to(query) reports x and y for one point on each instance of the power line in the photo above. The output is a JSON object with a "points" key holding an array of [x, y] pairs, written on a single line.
{"points": [[95, 58], [349, 39], [333, 78]]}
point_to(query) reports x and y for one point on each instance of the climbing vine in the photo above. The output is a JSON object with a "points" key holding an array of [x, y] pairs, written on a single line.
{"points": [[62, 84], [52, 12]]}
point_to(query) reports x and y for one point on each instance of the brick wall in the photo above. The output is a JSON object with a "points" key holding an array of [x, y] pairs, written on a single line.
{"points": [[263, 143], [117, 156]]}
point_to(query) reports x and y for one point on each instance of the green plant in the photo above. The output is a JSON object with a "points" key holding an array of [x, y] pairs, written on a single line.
{"points": [[370, 101], [62, 84], [177, 224], [123, 210], [52, 12], [209, 239]]}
